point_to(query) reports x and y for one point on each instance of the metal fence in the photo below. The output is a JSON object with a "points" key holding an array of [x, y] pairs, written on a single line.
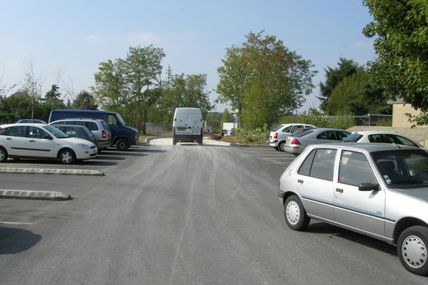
{"points": [[373, 120]]}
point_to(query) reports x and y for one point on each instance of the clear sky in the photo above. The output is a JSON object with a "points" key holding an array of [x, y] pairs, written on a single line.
{"points": [[65, 41]]}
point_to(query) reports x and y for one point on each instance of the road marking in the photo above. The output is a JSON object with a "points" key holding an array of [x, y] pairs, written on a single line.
{"points": [[21, 170], [14, 223], [33, 195]]}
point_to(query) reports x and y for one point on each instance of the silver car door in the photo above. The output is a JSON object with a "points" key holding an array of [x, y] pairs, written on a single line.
{"points": [[315, 182], [363, 210]]}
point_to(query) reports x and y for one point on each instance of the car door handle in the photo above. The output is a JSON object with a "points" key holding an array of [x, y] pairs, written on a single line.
{"points": [[8, 139], [32, 141], [300, 181], [339, 190]]}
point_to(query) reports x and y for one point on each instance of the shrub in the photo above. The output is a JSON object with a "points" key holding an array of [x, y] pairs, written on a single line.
{"points": [[259, 135]]}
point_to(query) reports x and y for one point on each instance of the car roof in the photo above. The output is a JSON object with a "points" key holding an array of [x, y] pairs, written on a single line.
{"points": [[369, 147], [375, 132], [23, 125], [78, 119], [72, 126]]}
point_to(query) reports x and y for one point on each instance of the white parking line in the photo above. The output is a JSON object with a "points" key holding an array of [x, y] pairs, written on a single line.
{"points": [[14, 223]]}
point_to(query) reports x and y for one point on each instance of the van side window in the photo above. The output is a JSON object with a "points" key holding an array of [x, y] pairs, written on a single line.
{"points": [[112, 120]]}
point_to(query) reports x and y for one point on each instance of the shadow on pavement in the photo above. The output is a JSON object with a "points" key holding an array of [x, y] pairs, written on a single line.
{"points": [[108, 157], [97, 163], [17, 240], [117, 153], [336, 232]]}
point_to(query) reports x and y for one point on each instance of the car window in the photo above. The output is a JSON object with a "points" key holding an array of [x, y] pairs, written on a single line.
{"points": [[104, 124], [91, 126], [296, 128], [341, 135], [355, 169], [380, 138], [69, 132], [287, 129], [327, 135], [323, 164], [37, 133], [402, 140], [352, 137], [305, 168], [112, 120], [15, 131], [3, 132]]}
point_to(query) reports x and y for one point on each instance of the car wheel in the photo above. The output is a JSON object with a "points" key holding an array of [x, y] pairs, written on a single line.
{"points": [[295, 214], [174, 141], [3, 154], [276, 148], [67, 156], [412, 249], [122, 145], [200, 140], [281, 146]]}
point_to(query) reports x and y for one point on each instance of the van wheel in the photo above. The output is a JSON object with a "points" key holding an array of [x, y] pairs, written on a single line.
{"points": [[3, 154], [412, 249], [295, 214], [174, 141], [200, 140], [67, 156], [122, 145]]}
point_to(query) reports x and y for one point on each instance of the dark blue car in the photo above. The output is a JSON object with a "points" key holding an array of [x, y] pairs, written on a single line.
{"points": [[122, 136]]}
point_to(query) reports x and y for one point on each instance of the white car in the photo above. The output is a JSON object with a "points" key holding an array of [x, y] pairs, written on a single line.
{"points": [[380, 137], [278, 138], [42, 141]]}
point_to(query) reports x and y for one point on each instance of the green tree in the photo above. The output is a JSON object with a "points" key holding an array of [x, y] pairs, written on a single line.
{"points": [[227, 116], [85, 100], [19, 105], [400, 30], [333, 76], [263, 80]]}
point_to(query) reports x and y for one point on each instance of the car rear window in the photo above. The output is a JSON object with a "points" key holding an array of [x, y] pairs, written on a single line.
{"points": [[353, 138], [92, 126]]}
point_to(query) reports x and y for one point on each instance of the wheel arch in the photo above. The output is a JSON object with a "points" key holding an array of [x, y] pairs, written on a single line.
{"points": [[288, 194], [405, 223], [121, 138], [64, 148]]}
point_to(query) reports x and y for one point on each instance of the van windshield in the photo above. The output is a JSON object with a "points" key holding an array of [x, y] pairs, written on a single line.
{"points": [[120, 119]]}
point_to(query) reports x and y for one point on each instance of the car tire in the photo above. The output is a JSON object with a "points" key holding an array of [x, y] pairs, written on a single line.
{"points": [[122, 145], [200, 140], [276, 148], [67, 156], [281, 146], [3, 154], [295, 214], [174, 141], [412, 249]]}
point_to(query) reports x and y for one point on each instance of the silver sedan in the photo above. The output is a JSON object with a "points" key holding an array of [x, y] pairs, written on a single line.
{"points": [[379, 190], [297, 143]]}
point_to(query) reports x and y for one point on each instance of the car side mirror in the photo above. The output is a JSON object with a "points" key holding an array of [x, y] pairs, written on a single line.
{"points": [[368, 187]]}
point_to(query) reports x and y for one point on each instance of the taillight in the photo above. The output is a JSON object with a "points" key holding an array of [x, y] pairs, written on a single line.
{"points": [[104, 134], [275, 136], [295, 141]]}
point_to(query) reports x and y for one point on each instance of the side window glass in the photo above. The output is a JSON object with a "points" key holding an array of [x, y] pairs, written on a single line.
{"points": [[327, 135], [305, 168], [36, 133], [16, 131], [91, 126], [355, 169], [323, 164], [341, 135], [4, 132], [403, 140], [112, 120]]}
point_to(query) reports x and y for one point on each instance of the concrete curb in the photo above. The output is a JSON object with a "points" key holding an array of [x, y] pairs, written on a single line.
{"points": [[81, 172], [248, 145], [33, 195]]}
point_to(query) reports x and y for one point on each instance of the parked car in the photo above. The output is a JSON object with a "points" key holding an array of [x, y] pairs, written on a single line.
{"points": [[42, 141], [187, 125], [380, 137], [25, 121], [277, 138], [122, 136], [99, 128], [379, 190], [297, 143], [76, 131]]}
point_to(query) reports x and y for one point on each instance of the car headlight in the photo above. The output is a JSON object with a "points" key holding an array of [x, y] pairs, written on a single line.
{"points": [[84, 146]]}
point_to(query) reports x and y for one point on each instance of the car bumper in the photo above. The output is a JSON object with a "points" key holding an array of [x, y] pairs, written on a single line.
{"points": [[293, 149], [187, 138], [82, 154], [104, 144], [273, 144]]}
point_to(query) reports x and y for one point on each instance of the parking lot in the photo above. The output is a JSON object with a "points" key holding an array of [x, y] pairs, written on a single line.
{"points": [[184, 214]]}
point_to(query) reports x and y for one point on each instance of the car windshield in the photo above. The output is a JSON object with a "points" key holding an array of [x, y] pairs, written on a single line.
{"points": [[57, 133], [403, 168], [352, 137]]}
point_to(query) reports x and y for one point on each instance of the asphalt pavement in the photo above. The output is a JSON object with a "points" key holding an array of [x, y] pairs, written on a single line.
{"points": [[184, 214]]}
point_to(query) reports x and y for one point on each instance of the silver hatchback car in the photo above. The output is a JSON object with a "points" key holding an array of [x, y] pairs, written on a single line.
{"points": [[379, 190]]}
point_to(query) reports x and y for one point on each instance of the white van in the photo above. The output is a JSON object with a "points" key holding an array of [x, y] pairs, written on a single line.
{"points": [[187, 125]]}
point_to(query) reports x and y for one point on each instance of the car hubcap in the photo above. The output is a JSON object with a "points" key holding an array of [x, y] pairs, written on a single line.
{"points": [[414, 251], [2, 155], [292, 212], [66, 157]]}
